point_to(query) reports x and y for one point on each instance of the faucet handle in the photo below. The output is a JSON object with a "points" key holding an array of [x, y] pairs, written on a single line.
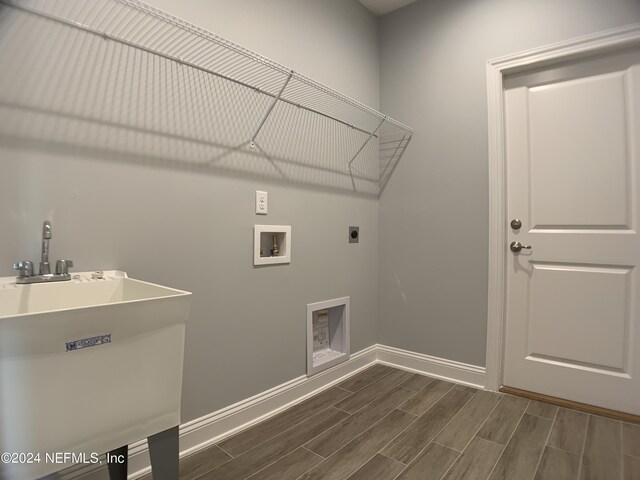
{"points": [[24, 267], [46, 230], [62, 267]]}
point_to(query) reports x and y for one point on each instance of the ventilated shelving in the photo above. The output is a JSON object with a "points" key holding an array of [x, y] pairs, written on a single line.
{"points": [[121, 77]]}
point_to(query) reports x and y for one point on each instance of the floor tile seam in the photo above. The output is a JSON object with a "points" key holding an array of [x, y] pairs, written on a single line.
{"points": [[621, 451], [232, 457], [350, 393], [518, 423], [584, 445], [452, 463], [433, 437], [199, 477], [312, 452], [262, 443], [325, 431], [358, 411], [253, 475], [524, 411], [291, 451], [415, 459], [553, 447], [432, 405], [353, 376], [358, 436], [211, 470], [280, 458], [599, 455], [404, 469], [546, 442], [414, 419], [369, 383], [482, 425], [451, 420], [632, 425], [196, 478], [432, 379], [316, 465], [542, 416], [275, 415], [343, 389], [408, 389], [400, 433], [373, 400], [393, 459], [586, 428], [445, 446], [337, 408], [436, 436], [353, 439], [367, 461], [611, 419], [378, 397], [490, 441], [285, 430]]}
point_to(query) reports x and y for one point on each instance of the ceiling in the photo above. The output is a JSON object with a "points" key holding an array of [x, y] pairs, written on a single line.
{"points": [[382, 7]]}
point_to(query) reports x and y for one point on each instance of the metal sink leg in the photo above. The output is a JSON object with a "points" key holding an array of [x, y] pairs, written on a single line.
{"points": [[164, 453], [117, 463]]}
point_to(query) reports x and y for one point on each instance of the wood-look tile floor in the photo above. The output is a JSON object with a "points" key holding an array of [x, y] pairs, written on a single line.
{"points": [[384, 424]]}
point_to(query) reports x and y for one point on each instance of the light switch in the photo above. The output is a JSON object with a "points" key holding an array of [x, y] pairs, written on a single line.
{"points": [[261, 203]]}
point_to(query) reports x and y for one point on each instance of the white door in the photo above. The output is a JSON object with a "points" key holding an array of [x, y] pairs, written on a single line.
{"points": [[573, 173]]}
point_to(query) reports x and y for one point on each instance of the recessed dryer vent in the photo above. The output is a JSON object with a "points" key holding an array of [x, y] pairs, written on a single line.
{"points": [[271, 244], [327, 334]]}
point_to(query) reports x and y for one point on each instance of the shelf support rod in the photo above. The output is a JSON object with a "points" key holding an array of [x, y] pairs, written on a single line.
{"points": [[252, 141], [392, 157], [273, 104], [396, 164], [365, 143]]}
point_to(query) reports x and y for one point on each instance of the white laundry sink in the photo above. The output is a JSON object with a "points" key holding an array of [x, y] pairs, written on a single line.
{"points": [[87, 366]]}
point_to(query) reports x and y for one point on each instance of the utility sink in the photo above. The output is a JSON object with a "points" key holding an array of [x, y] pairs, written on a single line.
{"points": [[87, 366]]}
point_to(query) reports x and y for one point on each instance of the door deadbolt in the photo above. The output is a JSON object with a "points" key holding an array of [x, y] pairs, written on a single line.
{"points": [[517, 246], [516, 224]]}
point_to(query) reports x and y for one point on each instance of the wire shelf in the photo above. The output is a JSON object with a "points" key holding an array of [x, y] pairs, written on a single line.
{"points": [[121, 76]]}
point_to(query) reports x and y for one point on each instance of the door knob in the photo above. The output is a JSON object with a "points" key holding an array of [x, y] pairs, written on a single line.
{"points": [[517, 246]]}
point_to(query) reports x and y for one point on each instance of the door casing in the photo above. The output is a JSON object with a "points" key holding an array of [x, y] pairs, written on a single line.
{"points": [[497, 70]]}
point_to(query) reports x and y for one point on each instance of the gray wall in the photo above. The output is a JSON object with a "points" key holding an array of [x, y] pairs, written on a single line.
{"points": [[434, 211], [194, 231]]}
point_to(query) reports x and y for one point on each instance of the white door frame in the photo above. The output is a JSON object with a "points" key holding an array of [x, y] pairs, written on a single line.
{"points": [[497, 69]]}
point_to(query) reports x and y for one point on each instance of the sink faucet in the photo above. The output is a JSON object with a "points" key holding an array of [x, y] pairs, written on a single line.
{"points": [[25, 267], [44, 259]]}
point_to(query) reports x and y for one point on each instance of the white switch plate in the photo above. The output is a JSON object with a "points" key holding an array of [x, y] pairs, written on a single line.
{"points": [[261, 203]]}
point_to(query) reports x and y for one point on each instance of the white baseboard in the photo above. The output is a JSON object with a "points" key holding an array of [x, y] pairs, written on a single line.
{"points": [[214, 427], [450, 370]]}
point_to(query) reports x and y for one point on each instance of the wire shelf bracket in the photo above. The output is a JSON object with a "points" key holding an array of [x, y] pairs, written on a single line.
{"points": [[365, 143]]}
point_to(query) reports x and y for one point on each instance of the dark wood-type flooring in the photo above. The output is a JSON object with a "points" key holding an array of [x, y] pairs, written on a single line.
{"points": [[384, 424]]}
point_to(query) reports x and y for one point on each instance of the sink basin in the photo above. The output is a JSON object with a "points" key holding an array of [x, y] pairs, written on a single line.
{"points": [[87, 365]]}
